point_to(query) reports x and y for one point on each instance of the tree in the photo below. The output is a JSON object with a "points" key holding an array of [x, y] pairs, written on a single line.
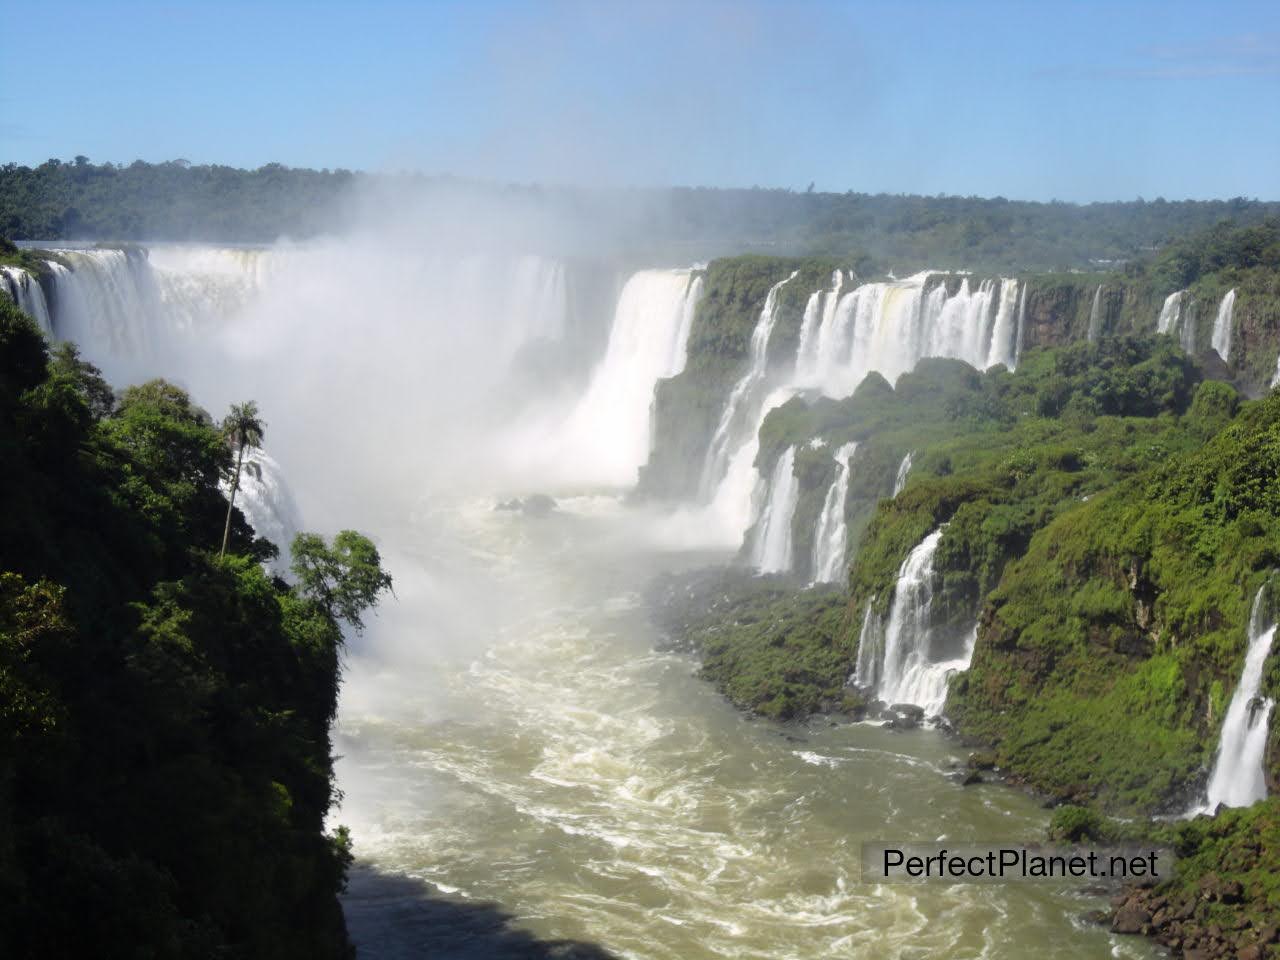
{"points": [[242, 428], [344, 579]]}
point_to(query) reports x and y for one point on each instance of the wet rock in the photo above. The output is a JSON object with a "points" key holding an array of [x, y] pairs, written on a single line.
{"points": [[1131, 918]]}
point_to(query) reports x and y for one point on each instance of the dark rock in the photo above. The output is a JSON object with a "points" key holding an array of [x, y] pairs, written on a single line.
{"points": [[970, 778], [1131, 918], [908, 711], [984, 760]]}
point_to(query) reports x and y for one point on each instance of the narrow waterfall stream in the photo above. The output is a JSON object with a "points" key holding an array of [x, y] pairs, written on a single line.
{"points": [[1237, 779]]}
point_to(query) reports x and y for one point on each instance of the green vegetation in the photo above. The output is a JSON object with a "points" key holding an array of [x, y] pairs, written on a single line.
{"points": [[1224, 897], [243, 429], [165, 762], [182, 201], [770, 649]]}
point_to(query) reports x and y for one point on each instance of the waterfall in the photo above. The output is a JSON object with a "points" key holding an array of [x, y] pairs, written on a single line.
{"points": [[1178, 316], [1004, 332], [1095, 316], [23, 288], [830, 539], [1237, 779], [267, 503], [771, 548], [899, 665], [1169, 312], [606, 437], [1222, 326], [904, 468], [845, 334], [1022, 324], [742, 409], [818, 314]]}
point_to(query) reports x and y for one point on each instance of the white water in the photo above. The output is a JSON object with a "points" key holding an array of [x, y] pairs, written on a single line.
{"points": [[1178, 317], [1095, 316], [507, 733], [904, 469], [267, 503], [895, 659], [886, 327], [24, 289], [1237, 779], [1222, 326], [830, 539], [742, 412], [771, 546], [605, 438]]}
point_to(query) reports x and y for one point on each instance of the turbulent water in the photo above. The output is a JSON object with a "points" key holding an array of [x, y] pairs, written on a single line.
{"points": [[1237, 778], [554, 764], [517, 762]]}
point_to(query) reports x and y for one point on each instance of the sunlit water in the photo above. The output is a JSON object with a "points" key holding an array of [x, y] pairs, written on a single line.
{"points": [[526, 745]]}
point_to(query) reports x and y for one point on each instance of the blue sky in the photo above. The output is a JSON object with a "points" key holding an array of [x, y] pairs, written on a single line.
{"points": [[1074, 101]]}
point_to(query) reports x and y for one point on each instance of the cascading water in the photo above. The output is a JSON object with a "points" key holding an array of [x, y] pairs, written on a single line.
{"points": [[899, 665], [830, 539], [771, 545], [606, 437], [24, 289], [1237, 779], [1221, 341], [1095, 316], [1178, 316], [267, 503], [887, 327], [904, 468], [740, 420]]}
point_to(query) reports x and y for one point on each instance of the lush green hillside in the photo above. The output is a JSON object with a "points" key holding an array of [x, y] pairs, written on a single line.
{"points": [[165, 762]]}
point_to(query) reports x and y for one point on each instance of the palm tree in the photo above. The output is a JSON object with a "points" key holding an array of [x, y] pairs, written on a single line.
{"points": [[242, 428]]}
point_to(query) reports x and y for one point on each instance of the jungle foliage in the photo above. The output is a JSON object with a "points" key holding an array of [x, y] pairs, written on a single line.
{"points": [[165, 761]]}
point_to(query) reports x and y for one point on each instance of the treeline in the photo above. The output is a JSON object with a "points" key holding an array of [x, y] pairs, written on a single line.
{"points": [[165, 757], [181, 201]]}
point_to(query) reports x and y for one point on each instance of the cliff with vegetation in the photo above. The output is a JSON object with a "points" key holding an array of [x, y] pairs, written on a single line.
{"points": [[165, 758]]}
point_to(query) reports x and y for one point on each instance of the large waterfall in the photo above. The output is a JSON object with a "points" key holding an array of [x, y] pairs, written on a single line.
{"points": [[830, 539], [896, 659], [889, 327], [1222, 326], [1095, 316], [24, 289], [1237, 778], [845, 334], [771, 545], [606, 436]]}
